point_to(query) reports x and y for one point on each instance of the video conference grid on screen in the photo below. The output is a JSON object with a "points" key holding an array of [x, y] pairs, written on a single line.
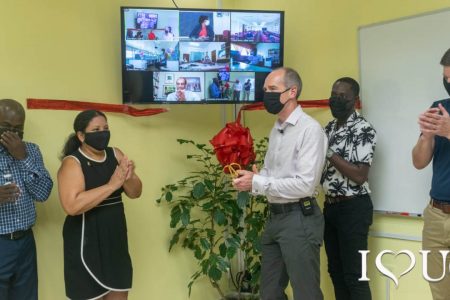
{"points": [[198, 55]]}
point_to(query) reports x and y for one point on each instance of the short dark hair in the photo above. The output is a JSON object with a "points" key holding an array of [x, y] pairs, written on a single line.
{"points": [[354, 85], [445, 60], [202, 18], [292, 78]]}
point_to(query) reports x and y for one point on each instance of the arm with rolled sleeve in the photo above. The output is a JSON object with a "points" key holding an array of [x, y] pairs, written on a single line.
{"points": [[311, 147], [37, 180]]}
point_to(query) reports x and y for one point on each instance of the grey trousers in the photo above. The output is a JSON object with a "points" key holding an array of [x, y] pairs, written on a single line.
{"points": [[291, 252]]}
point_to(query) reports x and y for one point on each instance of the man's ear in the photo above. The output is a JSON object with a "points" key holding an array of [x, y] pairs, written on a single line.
{"points": [[293, 93], [357, 99]]}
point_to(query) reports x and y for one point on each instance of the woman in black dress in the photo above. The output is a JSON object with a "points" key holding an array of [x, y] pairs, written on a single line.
{"points": [[91, 179]]}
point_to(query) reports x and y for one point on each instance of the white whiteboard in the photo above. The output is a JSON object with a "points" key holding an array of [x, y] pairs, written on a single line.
{"points": [[401, 76]]}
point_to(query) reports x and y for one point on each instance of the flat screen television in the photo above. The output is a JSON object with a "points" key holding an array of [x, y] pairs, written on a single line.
{"points": [[198, 55]]}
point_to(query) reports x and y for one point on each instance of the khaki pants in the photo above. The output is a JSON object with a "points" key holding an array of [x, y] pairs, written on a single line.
{"points": [[435, 237]]}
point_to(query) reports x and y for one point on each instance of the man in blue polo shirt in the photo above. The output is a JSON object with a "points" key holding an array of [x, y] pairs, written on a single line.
{"points": [[23, 180], [434, 144]]}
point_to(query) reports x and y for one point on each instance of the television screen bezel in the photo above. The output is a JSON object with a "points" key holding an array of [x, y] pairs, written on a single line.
{"points": [[206, 100]]}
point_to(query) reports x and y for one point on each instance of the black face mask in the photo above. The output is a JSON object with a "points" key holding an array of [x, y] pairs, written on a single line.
{"points": [[339, 107], [447, 86], [272, 101], [98, 139]]}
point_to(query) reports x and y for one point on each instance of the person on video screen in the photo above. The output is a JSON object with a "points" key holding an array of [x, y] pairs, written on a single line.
{"points": [[168, 34], [181, 94], [151, 35], [214, 89], [203, 30]]}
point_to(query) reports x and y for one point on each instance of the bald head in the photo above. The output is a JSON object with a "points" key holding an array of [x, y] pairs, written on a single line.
{"points": [[286, 78], [11, 107], [12, 116]]}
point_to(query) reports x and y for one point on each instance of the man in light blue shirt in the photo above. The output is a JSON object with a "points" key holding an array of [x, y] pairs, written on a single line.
{"points": [[23, 180]]}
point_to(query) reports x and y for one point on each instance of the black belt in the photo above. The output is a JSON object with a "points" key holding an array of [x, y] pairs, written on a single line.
{"points": [[337, 199], [16, 234], [282, 208]]}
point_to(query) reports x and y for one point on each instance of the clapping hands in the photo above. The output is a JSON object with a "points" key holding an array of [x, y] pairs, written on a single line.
{"points": [[124, 171], [435, 121]]}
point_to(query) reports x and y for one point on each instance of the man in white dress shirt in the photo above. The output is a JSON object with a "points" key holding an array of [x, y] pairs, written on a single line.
{"points": [[181, 94], [292, 168]]}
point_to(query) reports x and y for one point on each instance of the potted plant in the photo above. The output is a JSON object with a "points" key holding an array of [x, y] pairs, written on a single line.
{"points": [[216, 222]]}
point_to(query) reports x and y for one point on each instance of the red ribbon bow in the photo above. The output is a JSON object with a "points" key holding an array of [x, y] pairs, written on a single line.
{"points": [[234, 145]]}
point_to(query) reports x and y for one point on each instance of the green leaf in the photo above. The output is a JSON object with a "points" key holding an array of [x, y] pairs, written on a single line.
{"points": [[185, 217], [205, 265], [182, 141], [169, 196], [175, 214], [219, 217], [208, 205], [198, 190], [210, 232], [198, 253], [223, 264], [205, 243], [231, 252], [209, 185], [214, 273], [223, 250], [234, 241], [242, 199], [175, 238]]}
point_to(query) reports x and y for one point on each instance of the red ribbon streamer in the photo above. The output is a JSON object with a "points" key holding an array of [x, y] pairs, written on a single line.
{"points": [[81, 105]]}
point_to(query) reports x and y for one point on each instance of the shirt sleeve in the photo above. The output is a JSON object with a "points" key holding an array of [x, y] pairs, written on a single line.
{"points": [[311, 146], [37, 181], [365, 143]]}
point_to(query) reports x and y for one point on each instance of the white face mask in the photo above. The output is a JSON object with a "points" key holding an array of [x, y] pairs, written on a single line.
{"points": [[207, 22]]}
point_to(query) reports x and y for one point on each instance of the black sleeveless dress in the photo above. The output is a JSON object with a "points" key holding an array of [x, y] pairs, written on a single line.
{"points": [[96, 258]]}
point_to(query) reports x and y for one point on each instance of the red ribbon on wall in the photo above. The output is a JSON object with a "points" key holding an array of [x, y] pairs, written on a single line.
{"points": [[81, 105], [135, 112]]}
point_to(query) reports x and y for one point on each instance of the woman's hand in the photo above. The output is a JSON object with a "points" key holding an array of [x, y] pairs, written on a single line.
{"points": [[130, 171], [120, 174]]}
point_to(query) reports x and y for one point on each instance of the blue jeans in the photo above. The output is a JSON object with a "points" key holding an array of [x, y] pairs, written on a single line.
{"points": [[346, 230], [18, 268]]}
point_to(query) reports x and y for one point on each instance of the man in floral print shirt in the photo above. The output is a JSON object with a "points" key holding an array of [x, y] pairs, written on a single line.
{"points": [[348, 208]]}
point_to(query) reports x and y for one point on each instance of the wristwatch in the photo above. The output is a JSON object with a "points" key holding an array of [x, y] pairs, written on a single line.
{"points": [[329, 153]]}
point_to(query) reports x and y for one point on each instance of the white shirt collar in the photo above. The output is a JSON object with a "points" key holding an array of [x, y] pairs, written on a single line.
{"points": [[292, 119]]}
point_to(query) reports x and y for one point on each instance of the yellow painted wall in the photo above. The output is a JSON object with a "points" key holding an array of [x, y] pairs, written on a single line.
{"points": [[61, 49]]}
